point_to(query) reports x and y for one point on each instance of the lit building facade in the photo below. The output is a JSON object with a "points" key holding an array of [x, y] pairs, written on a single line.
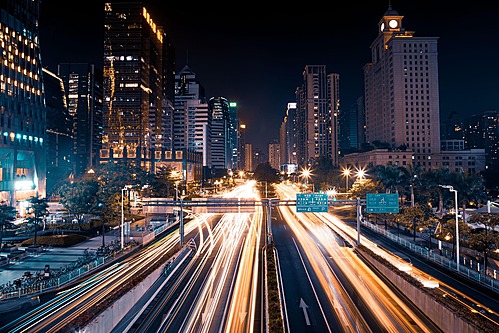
{"points": [[59, 136], [234, 137], [275, 155], [22, 105], [83, 89], [221, 155], [133, 85], [401, 91], [317, 110], [192, 119]]}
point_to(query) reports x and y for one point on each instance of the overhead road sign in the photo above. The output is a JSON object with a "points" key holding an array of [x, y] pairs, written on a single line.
{"points": [[382, 203], [311, 203]]}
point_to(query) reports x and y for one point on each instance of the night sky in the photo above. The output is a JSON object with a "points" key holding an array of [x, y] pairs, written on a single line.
{"points": [[254, 53]]}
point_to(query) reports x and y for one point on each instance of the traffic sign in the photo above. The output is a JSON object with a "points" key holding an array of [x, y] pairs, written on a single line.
{"points": [[382, 203], [311, 203]]}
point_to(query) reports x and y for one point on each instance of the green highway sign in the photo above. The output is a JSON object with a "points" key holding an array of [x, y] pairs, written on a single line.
{"points": [[382, 203], [311, 203]]}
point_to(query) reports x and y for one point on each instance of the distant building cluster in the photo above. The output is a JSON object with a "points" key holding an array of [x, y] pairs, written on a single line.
{"points": [[395, 122], [137, 109]]}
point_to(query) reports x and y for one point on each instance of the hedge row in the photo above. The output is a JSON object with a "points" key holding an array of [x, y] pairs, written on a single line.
{"points": [[56, 240]]}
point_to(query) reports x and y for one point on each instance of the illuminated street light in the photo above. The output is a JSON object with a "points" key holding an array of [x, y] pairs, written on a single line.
{"points": [[306, 174], [451, 188], [360, 174], [123, 214], [346, 173]]}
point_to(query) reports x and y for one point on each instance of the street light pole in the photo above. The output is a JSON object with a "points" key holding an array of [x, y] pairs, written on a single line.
{"points": [[122, 217], [456, 207], [346, 173], [122, 237]]}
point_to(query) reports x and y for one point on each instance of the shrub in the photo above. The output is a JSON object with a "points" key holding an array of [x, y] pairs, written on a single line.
{"points": [[56, 240]]}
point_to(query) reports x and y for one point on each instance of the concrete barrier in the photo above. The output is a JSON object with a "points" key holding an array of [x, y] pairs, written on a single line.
{"points": [[442, 316]]}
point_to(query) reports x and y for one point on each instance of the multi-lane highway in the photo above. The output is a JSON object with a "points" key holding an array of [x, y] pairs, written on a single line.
{"points": [[217, 285], [327, 288]]}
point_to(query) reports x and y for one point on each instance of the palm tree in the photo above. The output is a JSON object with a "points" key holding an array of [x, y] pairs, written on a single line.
{"points": [[433, 179], [471, 188], [7, 214], [391, 176], [412, 179]]}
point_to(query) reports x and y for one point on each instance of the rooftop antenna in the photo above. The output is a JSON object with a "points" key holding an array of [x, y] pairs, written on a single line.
{"points": [[187, 57]]}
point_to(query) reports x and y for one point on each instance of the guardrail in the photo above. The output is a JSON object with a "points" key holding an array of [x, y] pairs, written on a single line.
{"points": [[471, 274]]}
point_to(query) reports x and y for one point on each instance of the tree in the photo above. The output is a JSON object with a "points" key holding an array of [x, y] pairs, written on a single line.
{"points": [[363, 186], [484, 239], [79, 198], [433, 178], [447, 229], [7, 215], [162, 184], [471, 188], [265, 172], [411, 180], [391, 177], [38, 209]]}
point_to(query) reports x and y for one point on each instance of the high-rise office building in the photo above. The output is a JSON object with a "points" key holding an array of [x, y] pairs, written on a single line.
{"points": [[275, 155], [317, 115], [83, 89], [192, 118], [288, 135], [233, 136], [220, 145], [22, 105], [133, 85], [401, 91], [482, 131], [59, 136]]}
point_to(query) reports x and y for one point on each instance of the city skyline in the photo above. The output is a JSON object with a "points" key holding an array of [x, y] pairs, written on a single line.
{"points": [[257, 58]]}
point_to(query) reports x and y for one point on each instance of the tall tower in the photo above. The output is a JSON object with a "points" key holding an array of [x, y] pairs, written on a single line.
{"points": [[83, 89], [316, 115], [401, 91], [22, 105], [220, 144], [133, 87], [233, 137]]}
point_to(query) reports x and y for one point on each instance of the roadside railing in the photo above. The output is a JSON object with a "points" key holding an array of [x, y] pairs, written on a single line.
{"points": [[471, 274]]}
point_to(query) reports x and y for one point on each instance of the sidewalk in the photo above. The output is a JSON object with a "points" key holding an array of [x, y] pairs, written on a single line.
{"points": [[55, 257]]}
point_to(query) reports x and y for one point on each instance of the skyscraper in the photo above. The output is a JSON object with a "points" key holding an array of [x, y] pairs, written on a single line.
{"points": [[22, 105], [234, 137], [401, 91], [192, 118], [59, 137], [83, 89], [133, 84], [288, 135], [317, 115], [221, 155]]}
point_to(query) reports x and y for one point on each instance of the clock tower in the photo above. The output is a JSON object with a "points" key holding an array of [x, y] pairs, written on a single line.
{"points": [[390, 24]]}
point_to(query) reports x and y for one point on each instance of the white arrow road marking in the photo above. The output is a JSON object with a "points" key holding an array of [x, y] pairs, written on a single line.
{"points": [[304, 307]]}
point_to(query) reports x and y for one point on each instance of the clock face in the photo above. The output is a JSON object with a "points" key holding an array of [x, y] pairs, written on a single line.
{"points": [[382, 27], [393, 24]]}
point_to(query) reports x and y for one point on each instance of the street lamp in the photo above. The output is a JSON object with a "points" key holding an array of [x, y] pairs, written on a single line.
{"points": [[451, 188], [346, 173], [360, 174], [123, 214], [306, 174]]}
